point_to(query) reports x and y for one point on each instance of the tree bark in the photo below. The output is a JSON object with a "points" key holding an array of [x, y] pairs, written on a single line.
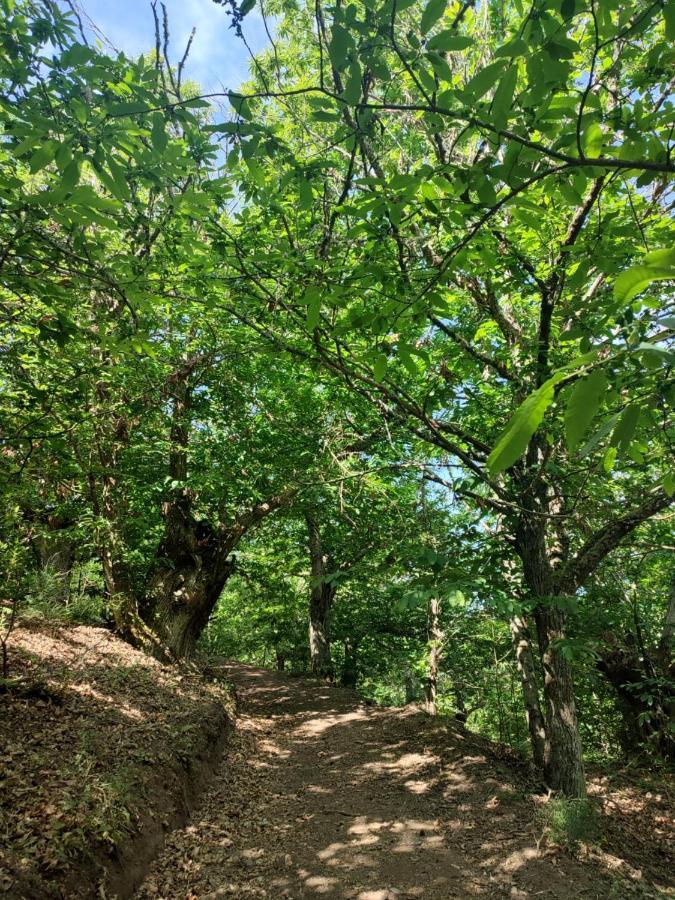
{"points": [[193, 561], [522, 644], [350, 672], [435, 642], [563, 757], [321, 598]]}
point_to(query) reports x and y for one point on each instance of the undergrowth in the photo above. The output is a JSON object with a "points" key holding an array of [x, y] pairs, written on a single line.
{"points": [[570, 822]]}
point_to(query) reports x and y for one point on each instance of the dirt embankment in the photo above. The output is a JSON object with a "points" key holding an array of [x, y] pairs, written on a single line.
{"points": [[102, 752]]}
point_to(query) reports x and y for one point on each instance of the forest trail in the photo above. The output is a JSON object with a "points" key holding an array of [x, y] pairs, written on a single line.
{"points": [[320, 795]]}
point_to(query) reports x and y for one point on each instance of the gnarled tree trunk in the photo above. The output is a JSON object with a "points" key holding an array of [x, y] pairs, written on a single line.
{"points": [[194, 559]]}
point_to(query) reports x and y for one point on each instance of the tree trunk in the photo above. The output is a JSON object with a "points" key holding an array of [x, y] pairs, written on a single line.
{"points": [[183, 608], [435, 641], [281, 660], [528, 678], [563, 757], [350, 672], [321, 598], [319, 631]]}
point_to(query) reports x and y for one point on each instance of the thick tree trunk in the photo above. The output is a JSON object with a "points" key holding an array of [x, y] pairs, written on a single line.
{"points": [[184, 603], [193, 560], [563, 757], [522, 644], [320, 604], [321, 598], [435, 642]]}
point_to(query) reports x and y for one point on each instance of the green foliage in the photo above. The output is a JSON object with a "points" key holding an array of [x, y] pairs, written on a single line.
{"points": [[80, 600], [568, 823], [411, 285]]}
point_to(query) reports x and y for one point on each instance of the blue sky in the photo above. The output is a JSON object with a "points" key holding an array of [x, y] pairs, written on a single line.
{"points": [[218, 58]]}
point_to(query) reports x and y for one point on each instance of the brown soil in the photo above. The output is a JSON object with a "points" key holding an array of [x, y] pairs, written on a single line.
{"points": [[322, 796], [102, 751]]}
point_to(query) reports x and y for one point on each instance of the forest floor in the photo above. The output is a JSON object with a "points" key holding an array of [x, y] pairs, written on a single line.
{"points": [[320, 795], [102, 751]]}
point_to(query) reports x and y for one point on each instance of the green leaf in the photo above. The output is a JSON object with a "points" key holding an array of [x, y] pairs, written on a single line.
{"points": [[246, 7], [582, 406], [517, 47], [403, 351], [503, 98], [521, 426], [482, 81], [71, 175], [313, 300], [380, 366], [609, 459], [665, 257], [623, 433], [441, 67], [158, 135], [448, 41], [127, 109], [601, 433], [42, 157], [305, 194], [340, 47], [592, 140], [668, 482], [432, 13], [353, 87], [120, 181], [634, 280], [669, 17]]}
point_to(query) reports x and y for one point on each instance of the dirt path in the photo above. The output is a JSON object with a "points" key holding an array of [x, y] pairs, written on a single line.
{"points": [[321, 796]]}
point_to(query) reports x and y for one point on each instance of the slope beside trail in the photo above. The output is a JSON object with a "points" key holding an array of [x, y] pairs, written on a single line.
{"points": [[320, 795]]}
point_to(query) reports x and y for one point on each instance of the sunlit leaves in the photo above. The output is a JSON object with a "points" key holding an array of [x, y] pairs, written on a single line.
{"points": [[582, 405], [521, 426], [659, 265], [340, 47], [449, 41], [432, 12], [483, 80]]}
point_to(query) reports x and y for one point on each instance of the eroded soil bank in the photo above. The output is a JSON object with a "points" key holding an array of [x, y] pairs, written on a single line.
{"points": [[102, 751], [322, 796]]}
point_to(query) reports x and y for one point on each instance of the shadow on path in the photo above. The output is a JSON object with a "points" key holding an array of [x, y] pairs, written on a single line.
{"points": [[322, 796]]}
